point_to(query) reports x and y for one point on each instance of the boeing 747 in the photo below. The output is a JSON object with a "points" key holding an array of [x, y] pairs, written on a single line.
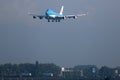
{"points": [[50, 15]]}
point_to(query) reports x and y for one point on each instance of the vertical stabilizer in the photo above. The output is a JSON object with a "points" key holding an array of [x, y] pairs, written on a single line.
{"points": [[61, 11]]}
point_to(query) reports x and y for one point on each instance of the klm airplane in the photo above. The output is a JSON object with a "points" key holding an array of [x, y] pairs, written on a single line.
{"points": [[50, 15]]}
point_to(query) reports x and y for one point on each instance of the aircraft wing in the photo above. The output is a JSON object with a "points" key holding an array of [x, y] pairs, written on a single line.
{"points": [[75, 16], [39, 16]]}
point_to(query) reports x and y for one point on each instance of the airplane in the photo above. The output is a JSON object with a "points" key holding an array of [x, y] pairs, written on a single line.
{"points": [[50, 15]]}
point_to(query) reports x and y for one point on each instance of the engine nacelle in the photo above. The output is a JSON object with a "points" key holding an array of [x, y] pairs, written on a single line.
{"points": [[34, 17], [40, 17], [75, 17], [64, 17]]}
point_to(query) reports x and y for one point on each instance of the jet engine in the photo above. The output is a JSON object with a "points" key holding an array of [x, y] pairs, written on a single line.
{"points": [[40, 17], [75, 17], [34, 17]]}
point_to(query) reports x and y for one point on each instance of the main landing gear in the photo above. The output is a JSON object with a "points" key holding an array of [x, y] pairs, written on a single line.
{"points": [[54, 20]]}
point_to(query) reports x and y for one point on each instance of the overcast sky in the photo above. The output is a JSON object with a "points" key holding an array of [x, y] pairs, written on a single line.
{"points": [[92, 39]]}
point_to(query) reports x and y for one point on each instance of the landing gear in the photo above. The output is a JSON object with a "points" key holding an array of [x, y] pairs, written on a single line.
{"points": [[53, 20], [48, 20], [57, 20]]}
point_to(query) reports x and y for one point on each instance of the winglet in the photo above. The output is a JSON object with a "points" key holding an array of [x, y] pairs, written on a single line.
{"points": [[61, 11]]}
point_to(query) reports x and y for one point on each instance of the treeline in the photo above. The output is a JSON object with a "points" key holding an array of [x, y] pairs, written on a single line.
{"points": [[93, 72], [51, 71], [28, 69]]}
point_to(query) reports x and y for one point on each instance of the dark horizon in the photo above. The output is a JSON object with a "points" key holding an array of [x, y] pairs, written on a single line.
{"points": [[60, 65]]}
